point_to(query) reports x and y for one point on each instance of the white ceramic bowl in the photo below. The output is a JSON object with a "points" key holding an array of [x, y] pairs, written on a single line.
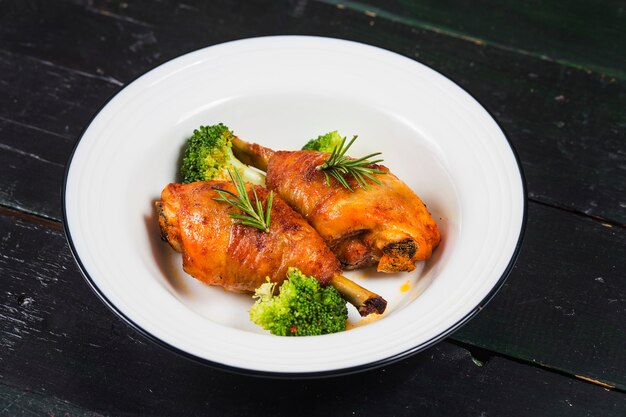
{"points": [[280, 92]]}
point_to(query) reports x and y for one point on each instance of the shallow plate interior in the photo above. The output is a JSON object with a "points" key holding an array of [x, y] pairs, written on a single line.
{"points": [[280, 92]]}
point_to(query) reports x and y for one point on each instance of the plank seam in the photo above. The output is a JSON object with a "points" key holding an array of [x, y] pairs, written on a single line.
{"points": [[22, 214], [413, 22], [539, 365], [603, 221]]}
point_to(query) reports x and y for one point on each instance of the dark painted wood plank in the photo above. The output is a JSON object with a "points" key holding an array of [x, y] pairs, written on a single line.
{"points": [[42, 113], [567, 125], [44, 97], [119, 41], [59, 341], [18, 403], [32, 163], [581, 34], [564, 305]]}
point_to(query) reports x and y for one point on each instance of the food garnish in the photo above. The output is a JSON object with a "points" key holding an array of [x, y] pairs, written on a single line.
{"points": [[338, 165], [324, 143], [208, 156], [301, 308], [253, 214]]}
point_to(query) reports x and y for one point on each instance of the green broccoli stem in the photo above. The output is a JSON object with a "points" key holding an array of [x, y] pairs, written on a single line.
{"points": [[365, 301]]}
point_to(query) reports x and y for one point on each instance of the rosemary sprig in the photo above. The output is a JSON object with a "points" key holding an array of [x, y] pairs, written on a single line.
{"points": [[254, 215], [338, 165]]}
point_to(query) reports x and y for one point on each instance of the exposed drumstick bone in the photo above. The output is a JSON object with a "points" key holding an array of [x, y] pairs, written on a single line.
{"points": [[364, 300], [251, 153]]}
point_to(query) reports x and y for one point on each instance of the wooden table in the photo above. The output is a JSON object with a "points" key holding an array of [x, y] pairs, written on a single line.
{"points": [[553, 340]]}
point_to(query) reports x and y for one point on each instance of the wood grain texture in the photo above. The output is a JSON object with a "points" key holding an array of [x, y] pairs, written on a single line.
{"points": [[576, 33], [566, 124], [42, 113], [564, 305], [76, 350], [47, 98], [18, 403], [563, 308], [66, 98], [33, 162]]}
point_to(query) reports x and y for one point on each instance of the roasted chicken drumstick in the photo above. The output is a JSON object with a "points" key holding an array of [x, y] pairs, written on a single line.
{"points": [[239, 258], [386, 225]]}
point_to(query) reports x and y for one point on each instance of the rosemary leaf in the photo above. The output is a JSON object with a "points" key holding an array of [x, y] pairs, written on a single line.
{"points": [[338, 165], [253, 215]]}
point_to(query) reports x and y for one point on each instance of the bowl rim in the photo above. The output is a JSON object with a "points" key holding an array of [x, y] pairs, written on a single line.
{"points": [[276, 374]]}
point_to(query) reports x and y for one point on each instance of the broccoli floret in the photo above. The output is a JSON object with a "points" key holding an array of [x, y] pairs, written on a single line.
{"points": [[208, 156], [324, 143], [302, 307]]}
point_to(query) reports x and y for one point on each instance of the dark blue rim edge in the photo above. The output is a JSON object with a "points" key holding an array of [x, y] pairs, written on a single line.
{"points": [[299, 375]]}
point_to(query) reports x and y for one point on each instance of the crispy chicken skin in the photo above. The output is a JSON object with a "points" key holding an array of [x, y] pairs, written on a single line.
{"points": [[239, 258], [387, 225]]}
